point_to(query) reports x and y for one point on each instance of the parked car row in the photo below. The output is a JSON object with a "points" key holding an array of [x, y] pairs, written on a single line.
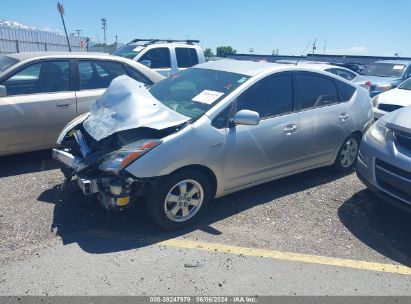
{"points": [[209, 129]]}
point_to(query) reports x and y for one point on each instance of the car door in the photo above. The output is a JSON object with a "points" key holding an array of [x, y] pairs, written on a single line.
{"points": [[272, 148], [158, 59], [325, 120], [39, 103], [186, 57], [94, 77]]}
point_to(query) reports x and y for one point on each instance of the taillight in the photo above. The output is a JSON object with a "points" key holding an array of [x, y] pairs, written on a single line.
{"points": [[368, 84]]}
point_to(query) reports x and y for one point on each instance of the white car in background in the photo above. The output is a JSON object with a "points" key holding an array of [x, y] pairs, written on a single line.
{"points": [[392, 100], [165, 56], [333, 69]]}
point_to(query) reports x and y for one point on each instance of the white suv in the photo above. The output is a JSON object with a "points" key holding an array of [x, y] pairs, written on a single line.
{"points": [[166, 57]]}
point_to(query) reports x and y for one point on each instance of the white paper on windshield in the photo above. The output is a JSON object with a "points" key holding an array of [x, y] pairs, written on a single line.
{"points": [[207, 97], [398, 67], [138, 48]]}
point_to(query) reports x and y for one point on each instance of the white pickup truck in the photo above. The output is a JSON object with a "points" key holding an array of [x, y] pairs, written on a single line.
{"points": [[165, 56]]}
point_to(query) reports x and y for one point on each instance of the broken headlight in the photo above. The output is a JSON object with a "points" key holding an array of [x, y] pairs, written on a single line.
{"points": [[120, 159], [378, 132]]}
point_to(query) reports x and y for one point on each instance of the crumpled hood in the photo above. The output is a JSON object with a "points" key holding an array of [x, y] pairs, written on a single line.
{"points": [[399, 120], [127, 104], [396, 97]]}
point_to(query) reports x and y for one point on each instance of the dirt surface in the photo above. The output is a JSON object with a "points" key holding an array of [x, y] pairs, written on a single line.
{"points": [[317, 212]]}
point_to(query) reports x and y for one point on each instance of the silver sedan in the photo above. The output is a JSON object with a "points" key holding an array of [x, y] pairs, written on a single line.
{"points": [[41, 92], [384, 162], [209, 131]]}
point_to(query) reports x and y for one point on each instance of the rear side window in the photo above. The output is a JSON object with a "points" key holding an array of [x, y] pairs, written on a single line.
{"points": [[346, 90], [269, 97], [158, 57], [342, 73], [96, 74], [186, 57], [315, 91], [137, 75]]}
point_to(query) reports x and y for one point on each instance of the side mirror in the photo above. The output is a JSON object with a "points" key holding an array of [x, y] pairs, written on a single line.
{"points": [[3, 91], [246, 117], [147, 63]]}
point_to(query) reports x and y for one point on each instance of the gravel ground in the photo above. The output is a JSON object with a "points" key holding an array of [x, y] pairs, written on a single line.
{"points": [[317, 212]]}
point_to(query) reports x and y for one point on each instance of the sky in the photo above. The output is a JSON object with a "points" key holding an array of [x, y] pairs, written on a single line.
{"points": [[349, 27]]}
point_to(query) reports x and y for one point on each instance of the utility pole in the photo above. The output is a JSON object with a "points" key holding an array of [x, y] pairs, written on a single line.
{"points": [[325, 45], [104, 27], [116, 44], [314, 45], [60, 9], [78, 32]]}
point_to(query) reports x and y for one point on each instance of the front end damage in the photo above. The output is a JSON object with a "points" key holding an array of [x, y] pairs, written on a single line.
{"points": [[125, 123]]}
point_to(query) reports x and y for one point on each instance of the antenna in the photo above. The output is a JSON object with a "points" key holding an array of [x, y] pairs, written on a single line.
{"points": [[302, 54], [325, 45]]}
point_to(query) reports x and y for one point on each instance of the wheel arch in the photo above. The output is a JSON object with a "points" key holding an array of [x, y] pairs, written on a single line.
{"points": [[206, 171]]}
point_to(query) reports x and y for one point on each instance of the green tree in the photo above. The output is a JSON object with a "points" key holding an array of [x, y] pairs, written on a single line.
{"points": [[208, 53], [223, 51]]}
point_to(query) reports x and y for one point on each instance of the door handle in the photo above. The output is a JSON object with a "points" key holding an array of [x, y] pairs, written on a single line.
{"points": [[344, 117], [290, 129], [63, 105]]}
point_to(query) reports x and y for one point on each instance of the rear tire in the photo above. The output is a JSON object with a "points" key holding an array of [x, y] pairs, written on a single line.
{"points": [[180, 201], [347, 156]]}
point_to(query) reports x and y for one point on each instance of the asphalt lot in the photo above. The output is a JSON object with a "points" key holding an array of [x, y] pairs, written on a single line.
{"points": [[61, 243]]}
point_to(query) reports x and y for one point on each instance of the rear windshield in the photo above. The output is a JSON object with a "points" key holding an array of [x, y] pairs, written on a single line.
{"points": [[194, 91], [384, 70], [128, 51], [406, 85], [6, 62]]}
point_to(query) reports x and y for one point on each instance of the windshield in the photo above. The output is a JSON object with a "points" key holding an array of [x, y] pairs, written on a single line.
{"points": [[128, 51], [406, 85], [6, 62], [384, 70], [194, 91]]}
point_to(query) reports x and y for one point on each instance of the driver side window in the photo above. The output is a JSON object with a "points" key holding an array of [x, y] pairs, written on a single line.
{"points": [[271, 96]]}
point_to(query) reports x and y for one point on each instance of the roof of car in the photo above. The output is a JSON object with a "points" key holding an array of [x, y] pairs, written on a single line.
{"points": [[406, 62], [31, 55], [244, 67], [252, 68]]}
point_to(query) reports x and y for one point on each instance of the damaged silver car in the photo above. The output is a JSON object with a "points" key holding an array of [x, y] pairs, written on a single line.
{"points": [[209, 131]]}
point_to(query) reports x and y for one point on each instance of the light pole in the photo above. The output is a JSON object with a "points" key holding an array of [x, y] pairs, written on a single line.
{"points": [[104, 27], [60, 9]]}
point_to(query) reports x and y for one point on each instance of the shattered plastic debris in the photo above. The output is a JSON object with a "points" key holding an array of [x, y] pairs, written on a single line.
{"points": [[127, 104]]}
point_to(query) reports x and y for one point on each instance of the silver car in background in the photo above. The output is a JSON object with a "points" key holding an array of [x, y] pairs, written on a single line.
{"points": [[41, 92], [384, 161], [212, 130]]}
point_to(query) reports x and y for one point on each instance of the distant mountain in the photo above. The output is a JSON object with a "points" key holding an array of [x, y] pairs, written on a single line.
{"points": [[18, 26]]}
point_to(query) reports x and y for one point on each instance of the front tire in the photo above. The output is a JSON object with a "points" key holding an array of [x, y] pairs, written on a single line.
{"points": [[347, 156], [181, 200]]}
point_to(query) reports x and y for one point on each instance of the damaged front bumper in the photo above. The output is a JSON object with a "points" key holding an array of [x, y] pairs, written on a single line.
{"points": [[113, 191]]}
